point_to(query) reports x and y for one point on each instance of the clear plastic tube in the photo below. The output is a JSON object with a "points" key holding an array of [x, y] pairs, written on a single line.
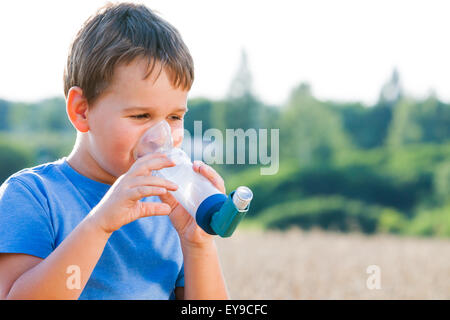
{"points": [[193, 188]]}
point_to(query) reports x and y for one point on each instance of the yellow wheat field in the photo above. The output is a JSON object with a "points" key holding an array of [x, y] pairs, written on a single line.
{"points": [[319, 265]]}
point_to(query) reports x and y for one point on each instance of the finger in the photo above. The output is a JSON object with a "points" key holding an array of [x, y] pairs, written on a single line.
{"points": [[169, 199], [201, 167], [152, 181], [154, 209], [144, 165], [197, 164], [209, 173], [140, 192]]}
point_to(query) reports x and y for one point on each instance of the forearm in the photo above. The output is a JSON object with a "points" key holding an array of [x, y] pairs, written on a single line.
{"points": [[49, 279], [202, 273]]}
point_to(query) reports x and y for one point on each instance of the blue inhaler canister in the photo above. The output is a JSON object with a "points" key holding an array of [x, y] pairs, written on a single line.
{"points": [[215, 212]]}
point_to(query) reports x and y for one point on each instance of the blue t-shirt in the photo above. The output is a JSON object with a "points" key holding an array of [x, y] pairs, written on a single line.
{"points": [[40, 206]]}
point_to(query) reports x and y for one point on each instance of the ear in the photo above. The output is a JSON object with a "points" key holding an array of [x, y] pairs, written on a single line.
{"points": [[77, 109]]}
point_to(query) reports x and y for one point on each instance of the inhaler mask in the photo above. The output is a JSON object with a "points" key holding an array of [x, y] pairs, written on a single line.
{"points": [[214, 212], [158, 138]]}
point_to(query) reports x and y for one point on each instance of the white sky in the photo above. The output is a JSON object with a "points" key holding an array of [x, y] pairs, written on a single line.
{"points": [[345, 49]]}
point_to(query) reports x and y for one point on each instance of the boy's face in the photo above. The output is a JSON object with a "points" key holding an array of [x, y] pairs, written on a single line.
{"points": [[130, 106]]}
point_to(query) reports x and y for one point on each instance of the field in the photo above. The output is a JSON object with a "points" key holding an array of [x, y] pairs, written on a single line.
{"points": [[320, 265]]}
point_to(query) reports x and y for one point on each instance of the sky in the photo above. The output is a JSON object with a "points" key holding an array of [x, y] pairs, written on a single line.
{"points": [[344, 49]]}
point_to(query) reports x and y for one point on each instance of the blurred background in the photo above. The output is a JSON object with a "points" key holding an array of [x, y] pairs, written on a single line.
{"points": [[360, 91]]}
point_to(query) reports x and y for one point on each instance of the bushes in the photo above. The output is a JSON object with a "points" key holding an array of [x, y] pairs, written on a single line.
{"points": [[431, 222], [441, 181], [344, 166], [391, 221], [361, 183], [19, 151], [400, 191], [330, 213], [342, 214], [13, 157]]}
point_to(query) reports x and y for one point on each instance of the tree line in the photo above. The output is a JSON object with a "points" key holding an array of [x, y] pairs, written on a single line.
{"points": [[344, 166]]}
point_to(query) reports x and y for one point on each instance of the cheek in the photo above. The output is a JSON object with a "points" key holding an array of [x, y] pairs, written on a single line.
{"points": [[177, 134], [115, 142], [124, 143], [120, 152]]}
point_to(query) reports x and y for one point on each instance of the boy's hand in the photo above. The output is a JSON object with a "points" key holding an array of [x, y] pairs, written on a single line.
{"points": [[190, 233], [121, 204]]}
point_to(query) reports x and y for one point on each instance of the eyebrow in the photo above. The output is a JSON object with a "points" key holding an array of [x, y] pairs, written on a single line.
{"points": [[137, 108]]}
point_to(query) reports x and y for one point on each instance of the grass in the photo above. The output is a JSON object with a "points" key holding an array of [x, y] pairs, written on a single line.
{"points": [[322, 265]]}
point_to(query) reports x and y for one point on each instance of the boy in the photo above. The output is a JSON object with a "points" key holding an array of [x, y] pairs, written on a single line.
{"points": [[97, 224]]}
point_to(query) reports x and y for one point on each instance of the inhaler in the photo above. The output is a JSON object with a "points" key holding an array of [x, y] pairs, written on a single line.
{"points": [[215, 212]]}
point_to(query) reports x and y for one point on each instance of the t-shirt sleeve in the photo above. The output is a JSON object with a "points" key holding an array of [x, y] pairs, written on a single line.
{"points": [[180, 279], [25, 226]]}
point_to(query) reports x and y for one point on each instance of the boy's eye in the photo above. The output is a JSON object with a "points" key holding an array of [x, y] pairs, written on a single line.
{"points": [[146, 116], [175, 118], [141, 116]]}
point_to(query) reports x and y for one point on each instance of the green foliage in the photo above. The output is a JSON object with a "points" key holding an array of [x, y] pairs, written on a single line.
{"points": [[431, 222], [45, 115], [391, 221], [344, 166], [311, 132], [366, 127], [13, 157], [267, 188], [5, 110], [330, 213], [442, 181], [18, 151], [53, 115], [200, 109], [419, 121]]}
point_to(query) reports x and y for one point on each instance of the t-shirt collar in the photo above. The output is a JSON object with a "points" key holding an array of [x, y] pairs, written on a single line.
{"points": [[78, 179]]}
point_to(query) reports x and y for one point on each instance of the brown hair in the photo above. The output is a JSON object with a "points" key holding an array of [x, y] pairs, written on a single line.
{"points": [[119, 33]]}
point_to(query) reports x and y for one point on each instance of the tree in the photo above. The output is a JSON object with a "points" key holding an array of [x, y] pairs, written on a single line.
{"points": [[13, 157], [52, 115], [391, 92], [5, 109], [200, 109], [310, 131], [419, 121], [240, 109]]}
